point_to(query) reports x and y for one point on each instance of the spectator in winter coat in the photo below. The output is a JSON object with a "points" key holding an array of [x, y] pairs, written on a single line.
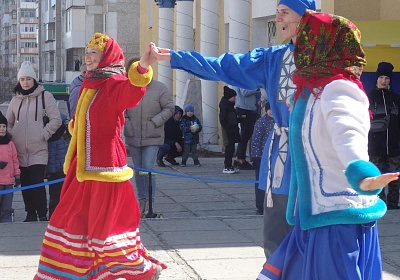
{"points": [[173, 140], [9, 171], [144, 133], [30, 135], [75, 88], [261, 132], [190, 127], [383, 141], [246, 109], [230, 130]]}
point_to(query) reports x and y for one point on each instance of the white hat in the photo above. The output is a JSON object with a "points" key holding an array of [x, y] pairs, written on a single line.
{"points": [[26, 70]]}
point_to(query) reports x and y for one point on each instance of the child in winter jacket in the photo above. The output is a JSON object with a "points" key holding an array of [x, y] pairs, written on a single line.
{"points": [[9, 171], [191, 127]]}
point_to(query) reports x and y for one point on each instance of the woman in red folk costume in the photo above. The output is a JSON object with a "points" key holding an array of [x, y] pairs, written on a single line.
{"points": [[90, 235]]}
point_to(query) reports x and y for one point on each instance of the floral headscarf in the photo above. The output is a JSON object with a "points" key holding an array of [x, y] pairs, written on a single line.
{"points": [[111, 63], [327, 48]]}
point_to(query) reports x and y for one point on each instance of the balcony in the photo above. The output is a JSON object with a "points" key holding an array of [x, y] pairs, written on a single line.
{"points": [[28, 36], [74, 3], [29, 20], [29, 50]]}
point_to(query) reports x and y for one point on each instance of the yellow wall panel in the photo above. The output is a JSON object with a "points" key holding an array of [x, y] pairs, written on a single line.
{"points": [[377, 54]]}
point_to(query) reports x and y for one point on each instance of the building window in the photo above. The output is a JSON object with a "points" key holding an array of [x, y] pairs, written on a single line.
{"points": [[49, 62], [30, 58], [271, 32], [74, 56], [28, 14], [50, 31], [105, 23], [68, 19], [28, 44], [28, 28]]}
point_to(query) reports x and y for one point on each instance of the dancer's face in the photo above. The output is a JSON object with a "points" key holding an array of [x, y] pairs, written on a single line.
{"points": [[92, 58], [287, 20]]}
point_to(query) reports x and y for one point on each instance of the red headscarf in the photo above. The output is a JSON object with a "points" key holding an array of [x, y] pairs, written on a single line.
{"points": [[111, 63], [327, 48]]}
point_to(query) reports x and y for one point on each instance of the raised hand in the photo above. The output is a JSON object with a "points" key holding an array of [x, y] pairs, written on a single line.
{"points": [[373, 183], [160, 53], [147, 58]]}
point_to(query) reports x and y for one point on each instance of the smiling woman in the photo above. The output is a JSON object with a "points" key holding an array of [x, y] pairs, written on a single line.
{"points": [[92, 58], [89, 235]]}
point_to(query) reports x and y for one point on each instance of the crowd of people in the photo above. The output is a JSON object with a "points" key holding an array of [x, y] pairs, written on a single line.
{"points": [[309, 205]]}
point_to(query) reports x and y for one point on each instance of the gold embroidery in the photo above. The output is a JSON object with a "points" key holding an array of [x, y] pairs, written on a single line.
{"points": [[98, 41]]}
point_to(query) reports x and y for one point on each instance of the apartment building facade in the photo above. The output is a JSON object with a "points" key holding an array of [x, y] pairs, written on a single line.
{"points": [[66, 26], [18, 41]]}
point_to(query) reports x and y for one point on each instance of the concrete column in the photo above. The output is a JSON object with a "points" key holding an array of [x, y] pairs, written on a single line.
{"points": [[239, 26], [166, 40], [184, 41], [209, 38]]}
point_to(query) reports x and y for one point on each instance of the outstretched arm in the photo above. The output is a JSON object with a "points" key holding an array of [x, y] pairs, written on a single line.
{"points": [[374, 183], [248, 71]]}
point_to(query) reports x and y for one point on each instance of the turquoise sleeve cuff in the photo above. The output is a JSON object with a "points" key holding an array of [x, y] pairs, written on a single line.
{"points": [[359, 169]]}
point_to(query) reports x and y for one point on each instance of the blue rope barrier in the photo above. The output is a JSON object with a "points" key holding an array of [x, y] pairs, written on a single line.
{"points": [[141, 170], [193, 177], [32, 186]]}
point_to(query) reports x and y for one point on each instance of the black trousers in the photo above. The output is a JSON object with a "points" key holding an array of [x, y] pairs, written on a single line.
{"points": [[229, 151], [246, 130], [35, 199], [54, 190], [260, 194], [166, 149]]}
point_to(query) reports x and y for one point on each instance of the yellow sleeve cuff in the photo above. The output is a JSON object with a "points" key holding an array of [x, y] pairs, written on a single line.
{"points": [[137, 79]]}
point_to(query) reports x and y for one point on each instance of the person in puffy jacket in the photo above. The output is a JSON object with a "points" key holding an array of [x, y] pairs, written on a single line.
{"points": [[57, 152], [75, 88], [261, 133], [384, 136], [9, 171], [30, 134], [230, 129], [190, 127], [173, 140], [144, 133]]}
